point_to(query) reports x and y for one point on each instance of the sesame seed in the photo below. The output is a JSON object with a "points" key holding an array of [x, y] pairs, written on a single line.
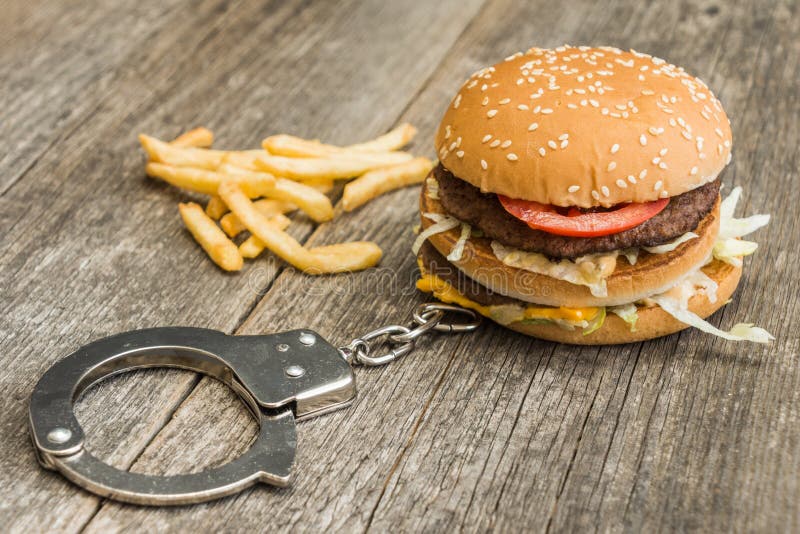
{"points": [[686, 135], [611, 166], [506, 143], [552, 144], [622, 183], [595, 195], [656, 160], [564, 143], [614, 148], [693, 171], [486, 138], [605, 191], [457, 101], [523, 107], [491, 113], [484, 165], [453, 145], [542, 151], [504, 101], [533, 126], [658, 185], [643, 140], [662, 152], [512, 157], [573, 188], [460, 153], [631, 178], [547, 111], [643, 174], [495, 143], [572, 106], [447, 132], [563, 136], [664, 194], [485, 100], [719, 132], [662, 165]]}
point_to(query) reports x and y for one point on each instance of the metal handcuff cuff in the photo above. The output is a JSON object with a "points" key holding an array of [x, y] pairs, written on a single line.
{"points": [[282, 378]]}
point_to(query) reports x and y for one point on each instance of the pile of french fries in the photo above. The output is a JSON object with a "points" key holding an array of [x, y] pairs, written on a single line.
{"points": [[250, 191]]}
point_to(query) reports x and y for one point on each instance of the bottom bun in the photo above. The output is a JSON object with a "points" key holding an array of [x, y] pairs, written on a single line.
{"points": [[653, 322]]}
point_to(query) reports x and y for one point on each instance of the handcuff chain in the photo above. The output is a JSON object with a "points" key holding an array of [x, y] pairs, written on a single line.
{"points": [[427, 317]]}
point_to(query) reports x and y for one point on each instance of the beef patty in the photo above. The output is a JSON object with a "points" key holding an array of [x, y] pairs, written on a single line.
{"points": [[483, 210], [435, 263]]}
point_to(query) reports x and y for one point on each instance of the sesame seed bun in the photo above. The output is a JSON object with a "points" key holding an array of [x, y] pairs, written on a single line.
{"points": [[584, 127], [652, 322], [652, 273]]}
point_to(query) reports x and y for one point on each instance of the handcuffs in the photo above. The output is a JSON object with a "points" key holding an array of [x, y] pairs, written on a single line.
{"points": [[282, 378]]}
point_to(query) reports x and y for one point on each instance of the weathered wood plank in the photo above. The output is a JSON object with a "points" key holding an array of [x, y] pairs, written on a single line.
{"points": [[496, 430], [90, 248], [49, 55], [341, 491], [684, 433]]}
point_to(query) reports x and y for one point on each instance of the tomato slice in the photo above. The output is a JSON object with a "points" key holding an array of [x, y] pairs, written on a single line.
{"points": [[577, 223]]}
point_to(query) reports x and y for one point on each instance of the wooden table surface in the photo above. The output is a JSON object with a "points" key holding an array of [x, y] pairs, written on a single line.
{"points": [[472, 432]]}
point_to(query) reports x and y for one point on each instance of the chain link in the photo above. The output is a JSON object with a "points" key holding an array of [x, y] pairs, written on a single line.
{"points": [[427, 318]]}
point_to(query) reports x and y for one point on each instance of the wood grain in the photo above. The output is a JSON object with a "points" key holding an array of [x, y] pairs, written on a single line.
{"points": [[480, 432], [91, 247]]}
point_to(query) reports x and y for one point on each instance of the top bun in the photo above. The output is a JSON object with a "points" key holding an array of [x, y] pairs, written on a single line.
{"points": [[584, 127]]}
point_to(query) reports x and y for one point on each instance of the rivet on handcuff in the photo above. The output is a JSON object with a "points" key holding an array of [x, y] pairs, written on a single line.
{"points": [[282, 378]]}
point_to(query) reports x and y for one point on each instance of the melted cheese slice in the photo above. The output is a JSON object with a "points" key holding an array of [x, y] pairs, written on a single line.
{"points": [[505, 313]]}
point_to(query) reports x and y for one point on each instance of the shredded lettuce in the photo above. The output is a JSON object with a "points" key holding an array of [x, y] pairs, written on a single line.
{"points": [[728, 247], [458, 249], [740, 332], [631, 254], [442, 223], [432, 188], [672, 245], [729, 226], [628, 313], [731, 250], [596, 322], [590, 270]]}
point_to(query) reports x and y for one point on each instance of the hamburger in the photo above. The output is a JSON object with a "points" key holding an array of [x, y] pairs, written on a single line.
{"points": [[577, 199]]}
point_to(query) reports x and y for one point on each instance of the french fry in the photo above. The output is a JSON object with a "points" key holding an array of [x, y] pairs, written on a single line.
{"points": [[305, 197], [253, 246], [323, 186], [316, 169], [160, 152], [216, 208], [392, 140], [197, 137], [219, 248], [351, 256], [205, 181], [295, 147], [377, 182], [232, 226], [244, 159]]}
